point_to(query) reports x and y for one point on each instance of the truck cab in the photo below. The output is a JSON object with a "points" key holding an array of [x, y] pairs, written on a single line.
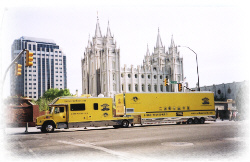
{"points": [[75, 112]]}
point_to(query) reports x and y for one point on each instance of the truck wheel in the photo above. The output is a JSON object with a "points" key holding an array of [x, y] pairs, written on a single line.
{"points": [[48, 127], [196, 121], [125, 124], [190, 121], [202, 120]]}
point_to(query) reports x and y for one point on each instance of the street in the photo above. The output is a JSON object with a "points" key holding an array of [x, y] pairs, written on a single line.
{"points": [[221, 140]]}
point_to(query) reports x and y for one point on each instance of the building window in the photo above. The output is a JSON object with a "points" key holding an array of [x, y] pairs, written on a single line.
{"points": [[136, 87], [135, 75], [161, 88], [160, 76], [155, 87], [148, 76], [143, 88], [122, 75], [154, 76], [129, 76], [149, 88], [122, 87], [229, 91], [129, 87], [142, 76], [219, 91]]}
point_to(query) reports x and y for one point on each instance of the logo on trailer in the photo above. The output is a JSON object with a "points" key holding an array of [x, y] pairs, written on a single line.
{"points": [[105, 107], [135, 99], [205, 100], [105, 114]]}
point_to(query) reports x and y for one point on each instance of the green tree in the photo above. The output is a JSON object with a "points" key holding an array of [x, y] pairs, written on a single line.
{"points": [[43, 104], [52, 93], [49, 96]]}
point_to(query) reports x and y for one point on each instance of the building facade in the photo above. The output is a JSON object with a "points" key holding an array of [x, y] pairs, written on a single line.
{"points": [[48, 70], [225, 91], [103, 74]]}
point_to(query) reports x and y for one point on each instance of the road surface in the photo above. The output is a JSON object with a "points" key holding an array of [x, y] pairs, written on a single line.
{"points": [[221, 140]]}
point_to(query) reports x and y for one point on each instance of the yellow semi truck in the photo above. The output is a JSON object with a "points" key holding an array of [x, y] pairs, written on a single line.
{"points": [[159, 108], [74, 112]]}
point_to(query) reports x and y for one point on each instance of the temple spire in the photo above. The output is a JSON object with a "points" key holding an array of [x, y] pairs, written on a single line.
{"points": [[158, 42], [172, 41], [147, 54], [97, 29], [108, 31]]}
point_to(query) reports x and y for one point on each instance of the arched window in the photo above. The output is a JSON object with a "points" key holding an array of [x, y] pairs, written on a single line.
{"points": [[143, 88], [161, 88], [219, 91], [136, 87], [129, 87], [155, 87], [149, 88]]}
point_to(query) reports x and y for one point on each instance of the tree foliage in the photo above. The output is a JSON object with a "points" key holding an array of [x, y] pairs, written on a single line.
{"points": [[50, 95]]}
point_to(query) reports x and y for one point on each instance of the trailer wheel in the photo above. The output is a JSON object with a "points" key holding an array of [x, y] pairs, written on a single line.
{"points": [[190, 121], [196, 121], [125, 124], [48, 127], [202, 120]]}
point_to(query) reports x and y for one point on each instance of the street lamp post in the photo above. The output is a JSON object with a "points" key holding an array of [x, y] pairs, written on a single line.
{"points": [[197, 65]]}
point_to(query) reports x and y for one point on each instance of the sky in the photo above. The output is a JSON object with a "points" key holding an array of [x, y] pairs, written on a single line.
{"points": [[218, 31]]}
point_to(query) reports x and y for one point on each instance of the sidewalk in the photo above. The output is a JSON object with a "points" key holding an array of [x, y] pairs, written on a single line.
{"points": [[20, 130]]}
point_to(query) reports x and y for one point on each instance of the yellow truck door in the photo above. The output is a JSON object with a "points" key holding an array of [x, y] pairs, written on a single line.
{"points": [[59, 114]]}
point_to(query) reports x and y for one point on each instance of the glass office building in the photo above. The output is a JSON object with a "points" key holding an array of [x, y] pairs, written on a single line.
{"points": [[48, 70]]}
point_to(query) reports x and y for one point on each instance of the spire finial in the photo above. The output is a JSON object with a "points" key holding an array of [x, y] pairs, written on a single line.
{"points": [[172, 41], [158, 41], [97, 14]]}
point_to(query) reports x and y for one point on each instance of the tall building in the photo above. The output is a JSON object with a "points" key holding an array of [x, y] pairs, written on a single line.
{"points": [[48, 70], [103, 74]]}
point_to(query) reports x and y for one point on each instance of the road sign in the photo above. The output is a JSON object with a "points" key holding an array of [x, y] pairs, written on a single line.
{"points": [[173, 82]]}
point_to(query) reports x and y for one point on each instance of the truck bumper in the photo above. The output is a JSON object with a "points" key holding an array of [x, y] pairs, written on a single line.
{"points": [[39, 127]]}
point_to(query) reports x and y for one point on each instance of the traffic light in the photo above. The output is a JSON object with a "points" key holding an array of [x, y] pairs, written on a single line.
{"points": [[179, 87], [166, 82], [18, 69], [29, 58]]}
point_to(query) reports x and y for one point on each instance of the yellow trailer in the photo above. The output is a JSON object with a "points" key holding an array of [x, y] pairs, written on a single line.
{"points": [[159, 108], [74, 112]]}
